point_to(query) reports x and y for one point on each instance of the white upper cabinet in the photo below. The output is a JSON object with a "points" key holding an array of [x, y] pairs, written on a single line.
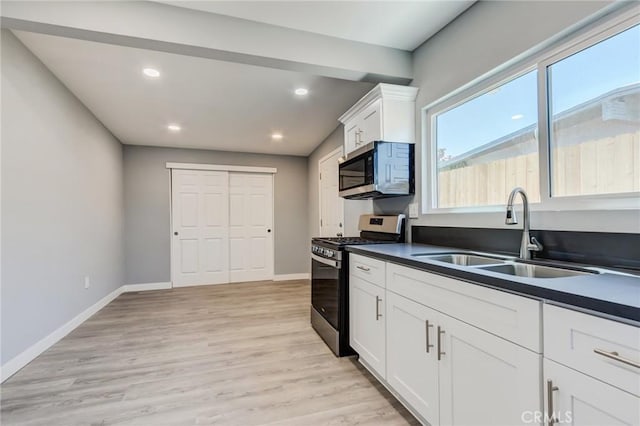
{"points": [[386, 113], [370, 122]]}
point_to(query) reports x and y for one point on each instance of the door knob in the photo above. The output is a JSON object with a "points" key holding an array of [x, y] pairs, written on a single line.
{"points": [[268, 230], [339, 234], [175, 233]]}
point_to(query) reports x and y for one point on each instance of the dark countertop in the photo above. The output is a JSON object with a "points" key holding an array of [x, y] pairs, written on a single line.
{"points": [[608, 293]]}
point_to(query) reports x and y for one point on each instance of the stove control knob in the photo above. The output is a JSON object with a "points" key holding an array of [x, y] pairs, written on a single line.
{"points": [[329, 253]]}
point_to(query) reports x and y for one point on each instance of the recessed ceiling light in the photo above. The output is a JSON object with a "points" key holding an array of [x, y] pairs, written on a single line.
{"points": [[174, 127], [301, 91], [276, 136], [517, 117], [151, 72]]}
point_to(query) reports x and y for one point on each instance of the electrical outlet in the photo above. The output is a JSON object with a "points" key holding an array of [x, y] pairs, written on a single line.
{"points": [[87, 281], [413, 211]]}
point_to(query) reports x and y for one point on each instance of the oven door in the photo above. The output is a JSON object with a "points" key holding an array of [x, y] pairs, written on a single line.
{"points": [[326, 276]]}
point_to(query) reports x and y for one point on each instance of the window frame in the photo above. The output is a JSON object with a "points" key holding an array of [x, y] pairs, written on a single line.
{"points": [[577, 41]]}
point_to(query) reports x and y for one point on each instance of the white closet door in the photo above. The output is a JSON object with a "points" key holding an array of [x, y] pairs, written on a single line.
{"points": [[250, 226], [200, 215]]}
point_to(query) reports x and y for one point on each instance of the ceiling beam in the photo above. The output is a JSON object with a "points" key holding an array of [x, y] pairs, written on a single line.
{"points": [[171, 29]]}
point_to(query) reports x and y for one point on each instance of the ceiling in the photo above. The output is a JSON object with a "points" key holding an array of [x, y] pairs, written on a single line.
{"points": [[223, 89], [219, 105], [399, 24]]}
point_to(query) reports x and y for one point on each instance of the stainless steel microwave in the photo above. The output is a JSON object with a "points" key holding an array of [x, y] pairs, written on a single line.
{"points": [[378, 170]]}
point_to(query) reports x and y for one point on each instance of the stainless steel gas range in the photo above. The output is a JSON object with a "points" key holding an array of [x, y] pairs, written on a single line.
{"points": [[330, 276]]}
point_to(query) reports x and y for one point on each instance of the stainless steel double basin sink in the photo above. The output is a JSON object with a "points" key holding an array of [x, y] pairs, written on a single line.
{"points": [[504, 265]]}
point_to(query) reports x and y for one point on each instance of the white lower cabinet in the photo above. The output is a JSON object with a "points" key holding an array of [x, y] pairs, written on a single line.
{"points": [[460, 354], [412, 363], [452, 373], [484, 379], [591, 369], [580, 400], [367, 327], [601, 348]]}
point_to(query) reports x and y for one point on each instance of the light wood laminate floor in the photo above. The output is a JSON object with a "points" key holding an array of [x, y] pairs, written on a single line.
{"points": [[235, 354]]}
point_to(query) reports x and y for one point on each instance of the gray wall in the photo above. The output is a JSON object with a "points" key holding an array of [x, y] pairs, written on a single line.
{"points": [[147, 208], [62, 204], [486, 36], [352, 208]]}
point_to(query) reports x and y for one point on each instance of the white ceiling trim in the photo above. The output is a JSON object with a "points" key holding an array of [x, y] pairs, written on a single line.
{"points": [[222, 168]]}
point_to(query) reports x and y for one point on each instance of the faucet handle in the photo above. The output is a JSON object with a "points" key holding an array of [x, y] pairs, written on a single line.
{"points": [[534, 245]]}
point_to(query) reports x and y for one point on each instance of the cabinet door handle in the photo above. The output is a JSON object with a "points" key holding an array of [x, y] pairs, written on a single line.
{"points": [[440, 352], [427, 326], [378, 314], [550, 414], [616, 356], [362, 268]]}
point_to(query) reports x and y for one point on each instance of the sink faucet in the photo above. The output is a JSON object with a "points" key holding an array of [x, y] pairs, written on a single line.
{"points": [[528, 243]]}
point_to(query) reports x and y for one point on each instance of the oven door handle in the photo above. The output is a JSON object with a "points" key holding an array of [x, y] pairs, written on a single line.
{"points": [[328, 262]]}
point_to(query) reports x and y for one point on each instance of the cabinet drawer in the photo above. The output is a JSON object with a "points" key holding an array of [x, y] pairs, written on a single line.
{"points": [[571, 338], [371, 270], [514, 318]]}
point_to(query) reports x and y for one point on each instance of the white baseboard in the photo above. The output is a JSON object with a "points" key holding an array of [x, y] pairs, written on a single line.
{"points": [[289, 277], [146, 287], [24, 358], [16, 363]]}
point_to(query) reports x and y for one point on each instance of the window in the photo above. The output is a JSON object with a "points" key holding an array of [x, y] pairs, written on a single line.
{"points": [[594, 109], [488, 145], [488, 140]]}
